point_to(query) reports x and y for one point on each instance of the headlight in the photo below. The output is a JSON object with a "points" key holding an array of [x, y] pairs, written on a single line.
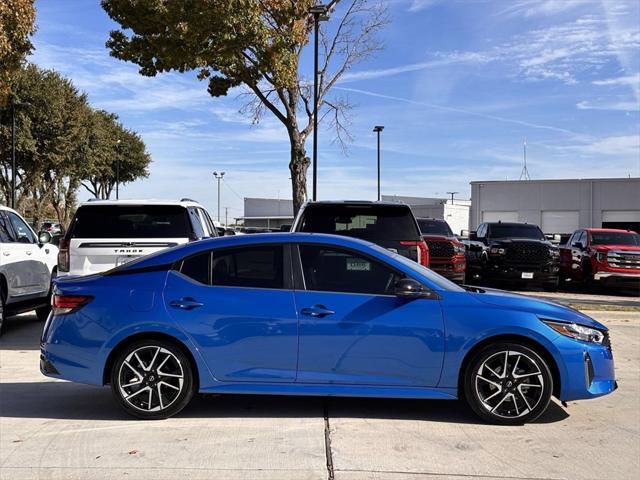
{"points": [[601, 257], [458, 248], [496, 251], [555, 252], [577, 332]]}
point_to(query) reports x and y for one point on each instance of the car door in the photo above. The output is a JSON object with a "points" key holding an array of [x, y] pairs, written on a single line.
{"points": [[237, 304], [353, 330], [27, 271]]}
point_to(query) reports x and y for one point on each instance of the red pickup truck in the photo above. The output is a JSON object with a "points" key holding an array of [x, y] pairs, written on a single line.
{"points": [[446, 252], [597, 256]]}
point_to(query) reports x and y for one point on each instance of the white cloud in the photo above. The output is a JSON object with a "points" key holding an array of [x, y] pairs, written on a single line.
{"points": [[418, 5], [611, 105], [534, 8], [624, 146]]}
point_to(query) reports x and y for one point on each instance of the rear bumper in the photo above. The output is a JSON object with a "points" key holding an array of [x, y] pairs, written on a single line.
{"points": [[451, 268]]}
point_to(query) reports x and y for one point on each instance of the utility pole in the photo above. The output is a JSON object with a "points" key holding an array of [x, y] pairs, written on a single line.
{"points": [[525, 171], [13, 152], [118, 169], [378, 129], [452, 194], [320, 13], [218, 177], [226, 216]]}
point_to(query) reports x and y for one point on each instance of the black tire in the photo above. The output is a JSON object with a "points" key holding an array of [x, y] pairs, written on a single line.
{"points": [[552, 286], [154, 366], [501, 398], [3, 312]]}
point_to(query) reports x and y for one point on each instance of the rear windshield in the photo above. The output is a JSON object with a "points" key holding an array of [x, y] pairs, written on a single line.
{"points": [[369, 222], [615, 238], [434, 227], [515, 231], [131, 221]]}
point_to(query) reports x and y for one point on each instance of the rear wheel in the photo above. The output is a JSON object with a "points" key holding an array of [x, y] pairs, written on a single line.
{"points": [[152, 379], [508, 384], [3, 314]]}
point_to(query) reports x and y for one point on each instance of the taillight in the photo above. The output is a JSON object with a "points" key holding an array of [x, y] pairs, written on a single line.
{"points": [[422, 251], [63, 255], [65, 304]]}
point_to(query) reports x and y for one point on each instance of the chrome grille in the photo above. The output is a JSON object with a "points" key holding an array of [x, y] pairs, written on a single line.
{"points": [[440, 249], [624, 259]]}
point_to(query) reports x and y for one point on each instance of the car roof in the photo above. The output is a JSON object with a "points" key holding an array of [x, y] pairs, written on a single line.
{"points": [[513, 224], [356, 202], [185, 202]]}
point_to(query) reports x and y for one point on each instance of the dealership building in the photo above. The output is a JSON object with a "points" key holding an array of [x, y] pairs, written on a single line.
{"points": [[558, 206]]}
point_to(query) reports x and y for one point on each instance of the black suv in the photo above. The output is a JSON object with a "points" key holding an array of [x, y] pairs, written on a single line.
{"points": [[513, 252], [390, 225]]}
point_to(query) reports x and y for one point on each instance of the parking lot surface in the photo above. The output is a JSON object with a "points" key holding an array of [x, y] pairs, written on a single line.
{"points": [[58, 430]]}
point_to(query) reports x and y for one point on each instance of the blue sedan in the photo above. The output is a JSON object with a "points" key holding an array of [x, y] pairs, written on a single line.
{"points": [[310, 314]]}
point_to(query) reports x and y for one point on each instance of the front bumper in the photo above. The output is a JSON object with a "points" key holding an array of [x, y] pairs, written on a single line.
{"points": [[449, 268], [624, 276], [590, 371], [515, 274]]}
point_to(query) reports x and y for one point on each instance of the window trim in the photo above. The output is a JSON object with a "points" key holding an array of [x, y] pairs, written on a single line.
{"points": [[287, 275], [300, 282]]}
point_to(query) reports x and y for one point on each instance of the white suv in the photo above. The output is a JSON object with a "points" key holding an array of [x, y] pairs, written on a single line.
{"points": [[106, 233], [27, 264]]}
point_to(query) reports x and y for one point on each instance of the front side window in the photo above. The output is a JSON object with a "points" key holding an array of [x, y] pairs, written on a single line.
{"points": [[23, 232], [257, 267], [332, 269]]}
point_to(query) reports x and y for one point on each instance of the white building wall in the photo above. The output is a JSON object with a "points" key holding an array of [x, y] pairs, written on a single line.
{"points": [[589, 200]]}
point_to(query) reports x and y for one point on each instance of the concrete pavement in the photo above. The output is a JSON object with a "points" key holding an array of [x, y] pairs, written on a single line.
{"points": [[58, 430]]}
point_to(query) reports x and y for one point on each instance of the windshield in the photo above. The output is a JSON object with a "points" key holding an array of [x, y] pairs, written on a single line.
{"points": [[370, 222], [615, 238], [434, 227], [432, 276], [131, 221], [502, 230]]}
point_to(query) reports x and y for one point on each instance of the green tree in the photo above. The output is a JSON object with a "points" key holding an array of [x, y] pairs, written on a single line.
{"points": [[16, 25], [256, 44], [49, 131], [107, 142]]}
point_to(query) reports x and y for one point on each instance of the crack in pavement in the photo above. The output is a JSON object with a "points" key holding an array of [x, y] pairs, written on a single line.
{"points": [[327, 441]]}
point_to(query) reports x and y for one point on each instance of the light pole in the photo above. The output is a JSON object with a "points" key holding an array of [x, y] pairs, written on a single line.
{"points": [[378, 129], [14, 104], [320, 13], [218, 177], [118, 169]]}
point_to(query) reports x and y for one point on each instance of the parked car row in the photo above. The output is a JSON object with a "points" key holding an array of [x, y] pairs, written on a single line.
{"points": [[27, 265]]}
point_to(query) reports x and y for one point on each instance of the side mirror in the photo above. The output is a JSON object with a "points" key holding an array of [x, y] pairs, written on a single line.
{"points": [[579, 245], [44, 237], [473, 235], [409, 288]]}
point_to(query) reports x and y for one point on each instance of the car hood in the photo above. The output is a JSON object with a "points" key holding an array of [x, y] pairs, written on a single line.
{"points": [[628, 248], [543, 308], [508, 241]]}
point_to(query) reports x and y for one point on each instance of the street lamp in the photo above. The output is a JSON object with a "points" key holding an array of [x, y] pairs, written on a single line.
{"points": [[320, 13], [378, 129], [118, 169], [14, 104], [218, 177]]}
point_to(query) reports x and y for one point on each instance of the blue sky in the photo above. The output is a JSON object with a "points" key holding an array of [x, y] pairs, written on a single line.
{"points": [[458, 87]]}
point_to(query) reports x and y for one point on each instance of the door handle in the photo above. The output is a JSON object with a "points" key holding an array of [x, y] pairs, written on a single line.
{"points": [[317, 311], [6, 254], [28, 253], [186, 303]]}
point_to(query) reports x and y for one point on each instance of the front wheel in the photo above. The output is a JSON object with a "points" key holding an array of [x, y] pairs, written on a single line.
{"points": [[152, 379], [508, 384]]}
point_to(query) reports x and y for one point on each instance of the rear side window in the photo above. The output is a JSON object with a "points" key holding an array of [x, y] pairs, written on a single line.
{"points": [[131, 221], [331, 269], [257, 267], [198, 268], [370, 222]]}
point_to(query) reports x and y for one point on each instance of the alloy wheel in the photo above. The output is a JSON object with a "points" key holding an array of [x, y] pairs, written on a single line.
{"points": [[151, 378], [509, 384]]}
